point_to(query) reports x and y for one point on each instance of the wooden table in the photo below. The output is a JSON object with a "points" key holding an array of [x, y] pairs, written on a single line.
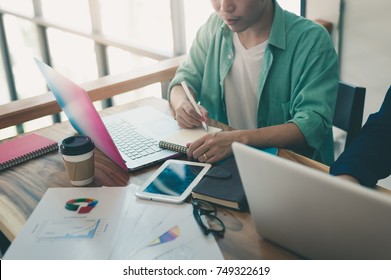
{"points": [[22, 186]]}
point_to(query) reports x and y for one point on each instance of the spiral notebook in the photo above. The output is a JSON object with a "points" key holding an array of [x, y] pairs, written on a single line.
{"points": [[177, 141], [172, 147], [24, 148]]}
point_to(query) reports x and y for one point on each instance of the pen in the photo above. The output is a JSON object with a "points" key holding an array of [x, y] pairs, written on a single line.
{"points": [[193, 103]]}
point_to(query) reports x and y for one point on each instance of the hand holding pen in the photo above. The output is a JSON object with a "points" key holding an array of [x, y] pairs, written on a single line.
{"points": [[193, 103]]}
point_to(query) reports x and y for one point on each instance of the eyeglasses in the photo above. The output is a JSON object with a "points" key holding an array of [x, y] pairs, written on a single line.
{"points": [[205, 215]]}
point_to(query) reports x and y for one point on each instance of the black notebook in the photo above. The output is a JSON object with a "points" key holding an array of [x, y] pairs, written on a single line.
{"points": [[222, 185]]}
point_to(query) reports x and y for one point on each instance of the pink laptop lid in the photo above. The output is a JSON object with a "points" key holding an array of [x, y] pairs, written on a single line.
{"points": [[81, 112]]}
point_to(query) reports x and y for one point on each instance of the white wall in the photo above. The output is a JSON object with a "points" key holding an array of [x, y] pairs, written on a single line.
{"points": [[326, 10], [366, 55], [366, 46]]}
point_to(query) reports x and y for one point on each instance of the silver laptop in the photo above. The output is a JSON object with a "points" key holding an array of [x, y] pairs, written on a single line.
{"points": [[130, 139], [311, 213]]}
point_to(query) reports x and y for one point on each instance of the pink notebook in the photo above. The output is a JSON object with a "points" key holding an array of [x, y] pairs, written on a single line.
{"points": [[24, 148]]}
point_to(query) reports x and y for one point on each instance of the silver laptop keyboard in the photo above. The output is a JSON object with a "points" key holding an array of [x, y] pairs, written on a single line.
{"points": [[130, 142]]}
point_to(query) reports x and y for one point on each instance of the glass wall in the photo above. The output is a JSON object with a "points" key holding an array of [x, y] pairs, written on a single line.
{"points": [[23, 46]]}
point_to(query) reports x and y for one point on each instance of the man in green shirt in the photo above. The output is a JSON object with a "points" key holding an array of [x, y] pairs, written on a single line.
{"points": [[266, 72]]}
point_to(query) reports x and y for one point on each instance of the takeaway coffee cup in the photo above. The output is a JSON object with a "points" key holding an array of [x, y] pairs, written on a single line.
{"points": [[78, 156]]}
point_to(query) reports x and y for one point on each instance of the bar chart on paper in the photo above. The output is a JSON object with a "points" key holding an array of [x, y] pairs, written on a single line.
{"points": [[70, 228]]}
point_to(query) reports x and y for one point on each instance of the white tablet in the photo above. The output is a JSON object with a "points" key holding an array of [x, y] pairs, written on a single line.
{"points": [[173, 181]]}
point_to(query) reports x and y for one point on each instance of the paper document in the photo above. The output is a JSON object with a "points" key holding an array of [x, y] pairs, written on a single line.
{"points": [[71, 223], [110, 223], [158, 230]]}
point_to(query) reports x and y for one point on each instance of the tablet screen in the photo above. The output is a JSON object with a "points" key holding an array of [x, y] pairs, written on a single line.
{"points": [[174, 179]]}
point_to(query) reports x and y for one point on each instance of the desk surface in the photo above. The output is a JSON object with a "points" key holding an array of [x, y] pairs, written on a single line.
{"points": [[22, 186]]}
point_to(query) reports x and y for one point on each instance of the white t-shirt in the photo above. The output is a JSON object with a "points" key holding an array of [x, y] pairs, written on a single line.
{"points": [[241, 85]]}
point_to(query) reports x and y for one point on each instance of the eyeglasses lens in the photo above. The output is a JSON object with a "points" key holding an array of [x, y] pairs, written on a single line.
{"points": [[205, 215], [212, 223]]}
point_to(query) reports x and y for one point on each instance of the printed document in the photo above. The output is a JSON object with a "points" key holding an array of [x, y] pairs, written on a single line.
{"points": [[71, 224], [159, 230]]}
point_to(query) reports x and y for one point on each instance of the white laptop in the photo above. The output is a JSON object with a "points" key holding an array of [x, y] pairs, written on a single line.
{"points": [[131, 139], [311, 213]]}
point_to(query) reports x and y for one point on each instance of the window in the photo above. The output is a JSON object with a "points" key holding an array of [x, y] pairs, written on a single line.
{"points": [[121, 61], [147, 22], [78, 35], [196, 14], [5, 98], [24, 7], [69, 13], [23, 46], [73, 56]]}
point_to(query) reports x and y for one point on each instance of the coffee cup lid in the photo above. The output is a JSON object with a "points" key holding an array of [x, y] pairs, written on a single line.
{"points": [[76, 145]]}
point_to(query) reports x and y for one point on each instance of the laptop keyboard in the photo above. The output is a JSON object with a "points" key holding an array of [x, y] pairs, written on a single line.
{"points": [[130, 142]]}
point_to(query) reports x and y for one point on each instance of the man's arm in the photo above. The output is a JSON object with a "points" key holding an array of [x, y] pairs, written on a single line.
{"points": [[368, 158], [214, 147]]}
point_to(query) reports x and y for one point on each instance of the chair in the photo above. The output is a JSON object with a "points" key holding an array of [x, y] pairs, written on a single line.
{"points": [[349, 110]]}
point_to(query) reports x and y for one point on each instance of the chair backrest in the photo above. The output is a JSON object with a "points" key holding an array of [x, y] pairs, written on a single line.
{"points": [[349, 110]]}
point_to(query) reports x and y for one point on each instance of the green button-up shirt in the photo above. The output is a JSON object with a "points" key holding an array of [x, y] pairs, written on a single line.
{"points": [[298, 80]]}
